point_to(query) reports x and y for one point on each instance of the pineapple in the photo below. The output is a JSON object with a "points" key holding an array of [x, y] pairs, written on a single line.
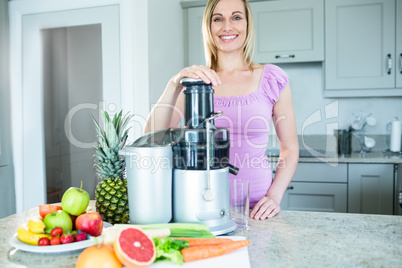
{"points": [[111, 197]]}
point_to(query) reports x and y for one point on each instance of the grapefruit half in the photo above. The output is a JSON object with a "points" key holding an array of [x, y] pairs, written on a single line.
{"points": [[134, 248]]}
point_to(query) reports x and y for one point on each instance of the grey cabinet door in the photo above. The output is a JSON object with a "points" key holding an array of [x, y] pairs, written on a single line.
{"points": [[327, 197], [398, 70], [317, 187], [321, 172], [194, 42], [359, 44], [289, 31], [370, 188]]}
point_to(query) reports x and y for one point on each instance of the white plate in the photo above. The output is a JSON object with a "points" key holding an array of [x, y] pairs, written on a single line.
{"points": [[15, 242]]}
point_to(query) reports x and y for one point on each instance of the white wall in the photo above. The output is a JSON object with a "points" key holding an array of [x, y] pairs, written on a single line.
{"points": [[166, 54]]}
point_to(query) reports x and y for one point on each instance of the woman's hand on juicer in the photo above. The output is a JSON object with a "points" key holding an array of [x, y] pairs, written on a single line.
{"points": [[209, 76], [265, 208]]}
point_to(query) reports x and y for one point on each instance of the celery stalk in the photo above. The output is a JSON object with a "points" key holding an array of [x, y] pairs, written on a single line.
{"points": [[180, 229]]}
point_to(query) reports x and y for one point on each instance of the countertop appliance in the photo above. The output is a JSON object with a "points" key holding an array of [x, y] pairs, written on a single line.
{"points": [[200, 162]]}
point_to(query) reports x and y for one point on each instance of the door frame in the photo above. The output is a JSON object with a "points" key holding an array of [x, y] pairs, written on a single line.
{"points": [[25, 83]]}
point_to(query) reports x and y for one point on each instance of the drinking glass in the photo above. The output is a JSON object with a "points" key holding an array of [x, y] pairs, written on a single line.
{"points": [[239, 201]]}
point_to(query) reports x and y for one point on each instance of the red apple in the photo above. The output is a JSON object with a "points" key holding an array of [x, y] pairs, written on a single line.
{"points": [[90, 222]]}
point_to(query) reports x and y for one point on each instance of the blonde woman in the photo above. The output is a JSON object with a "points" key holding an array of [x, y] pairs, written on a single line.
{"points": [[250, 96]]}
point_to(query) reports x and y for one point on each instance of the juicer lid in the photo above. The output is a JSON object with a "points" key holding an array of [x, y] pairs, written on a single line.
{"points": [[192, 82]]}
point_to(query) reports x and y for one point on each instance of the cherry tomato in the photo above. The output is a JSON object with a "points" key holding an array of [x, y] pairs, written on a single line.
{"points": [[57, 231], [55, 241], [66, 238], [44, 241]]}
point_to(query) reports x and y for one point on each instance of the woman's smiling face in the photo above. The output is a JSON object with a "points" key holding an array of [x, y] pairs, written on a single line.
{"points": [[229, 25]]}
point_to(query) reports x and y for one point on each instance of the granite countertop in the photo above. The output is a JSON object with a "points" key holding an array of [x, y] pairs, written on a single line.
{"points": [[374, 157], [291, 239]]}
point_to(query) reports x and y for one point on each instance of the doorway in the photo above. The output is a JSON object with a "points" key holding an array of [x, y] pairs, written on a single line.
{"points": [[72, 75], [124, 85]]}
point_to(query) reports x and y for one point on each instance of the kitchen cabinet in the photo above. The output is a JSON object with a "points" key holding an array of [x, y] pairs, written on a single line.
{"points": [[360, 52], [317, 187], [399, 43], [288, 31], [370, 188]]}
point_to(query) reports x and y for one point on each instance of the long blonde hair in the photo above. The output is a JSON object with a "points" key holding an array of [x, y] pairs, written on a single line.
{"points": [[211, 54]]}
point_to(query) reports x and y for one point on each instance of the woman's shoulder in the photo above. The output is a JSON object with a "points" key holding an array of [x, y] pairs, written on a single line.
{"points": [[271, 71], [273, 81]]}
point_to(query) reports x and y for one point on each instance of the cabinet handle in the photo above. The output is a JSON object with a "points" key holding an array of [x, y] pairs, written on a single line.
{"points": [[290, 188], [389, 63], [400, 63], [284, 56]]}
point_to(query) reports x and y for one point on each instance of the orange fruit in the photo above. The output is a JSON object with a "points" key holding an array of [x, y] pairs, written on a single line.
{"points": [[134, 248], [98, 256], [46, 209]]}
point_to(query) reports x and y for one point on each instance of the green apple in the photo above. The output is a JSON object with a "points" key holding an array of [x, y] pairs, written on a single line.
{"points": [[58, 218], [75, 201]]}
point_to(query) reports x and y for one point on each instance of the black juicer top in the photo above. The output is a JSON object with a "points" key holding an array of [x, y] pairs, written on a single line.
{"points": [[189, 147], [198, 102]]}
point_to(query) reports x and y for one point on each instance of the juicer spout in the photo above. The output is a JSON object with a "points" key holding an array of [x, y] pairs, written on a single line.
{"points": [[233, 170]]}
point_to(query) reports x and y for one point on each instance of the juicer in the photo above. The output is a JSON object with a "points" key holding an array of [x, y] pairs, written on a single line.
{"points": [[201, 162], [198, 171]]}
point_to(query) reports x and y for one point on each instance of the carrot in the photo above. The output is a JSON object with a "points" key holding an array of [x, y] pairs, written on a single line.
{"points": [[205, 241], [204, 252]]}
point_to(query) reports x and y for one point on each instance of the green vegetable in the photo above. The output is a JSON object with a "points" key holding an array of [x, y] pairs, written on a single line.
{"points": [[170, 249], [182, 229]]}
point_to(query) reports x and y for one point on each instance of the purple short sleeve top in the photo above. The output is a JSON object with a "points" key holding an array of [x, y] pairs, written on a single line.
{"points": [[248, 118]]}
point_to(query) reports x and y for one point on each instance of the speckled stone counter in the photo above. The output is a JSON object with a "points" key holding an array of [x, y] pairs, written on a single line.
{"points": [[291, 239], [322, 239]]}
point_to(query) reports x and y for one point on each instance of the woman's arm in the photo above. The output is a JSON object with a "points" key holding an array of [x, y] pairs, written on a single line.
{"points": [[285, 125], [169, 109]]}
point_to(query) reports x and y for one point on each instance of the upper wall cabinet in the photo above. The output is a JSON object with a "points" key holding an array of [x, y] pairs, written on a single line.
{"points": [[286, 31], [289, 31], [398, 72], [360, 52]]}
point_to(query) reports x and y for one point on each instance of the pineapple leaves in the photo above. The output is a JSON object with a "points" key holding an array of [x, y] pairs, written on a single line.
{"points": [[110, 131], [111, 139]]}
